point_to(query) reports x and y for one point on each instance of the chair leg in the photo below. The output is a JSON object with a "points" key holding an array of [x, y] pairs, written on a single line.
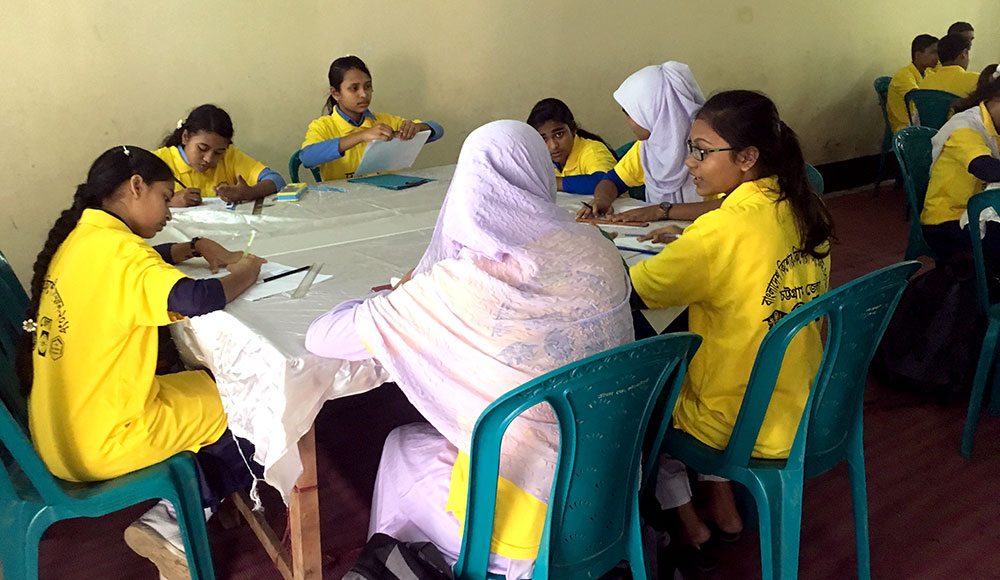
{"points": [[191, 519], [983, 372], [859, 501], [636, 555], [881, 167], [19, 551], [779, 508], [994, 407]]}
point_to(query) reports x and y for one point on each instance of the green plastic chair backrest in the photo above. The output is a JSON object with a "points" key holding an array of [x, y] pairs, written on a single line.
{"points": [[603, 405], [932, 106], [912, 146], [815, 179], [857, 314], [13, 309], [977, 203], [294, 162], [621, 151], [882, 90], [13, 409]]}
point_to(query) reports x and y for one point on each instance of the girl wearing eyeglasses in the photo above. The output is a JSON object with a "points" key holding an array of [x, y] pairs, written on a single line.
{"points": [[740, 268]]}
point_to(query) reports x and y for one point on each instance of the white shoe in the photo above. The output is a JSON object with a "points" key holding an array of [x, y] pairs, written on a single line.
{"points": [[156, 536]]}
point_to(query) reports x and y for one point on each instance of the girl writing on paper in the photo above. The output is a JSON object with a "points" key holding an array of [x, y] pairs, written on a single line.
{"points": [[659, 103], [336, 141], [580, 157], [205, 163], [770, 232], [509, 288], [966, 154], [97, 408]]}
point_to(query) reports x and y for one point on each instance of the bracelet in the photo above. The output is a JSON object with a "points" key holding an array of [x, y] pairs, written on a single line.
{"points": [[194, 251]]}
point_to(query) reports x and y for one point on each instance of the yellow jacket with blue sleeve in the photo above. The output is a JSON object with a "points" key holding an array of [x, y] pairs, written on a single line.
{"points": [[322, 142], [234, 163]]}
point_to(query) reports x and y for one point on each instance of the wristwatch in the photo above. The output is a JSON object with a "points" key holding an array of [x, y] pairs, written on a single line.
{"points": [[194, 251], [665, 206]]}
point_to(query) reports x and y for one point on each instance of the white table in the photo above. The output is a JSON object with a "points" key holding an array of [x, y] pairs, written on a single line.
{"points": [[271, 387]]}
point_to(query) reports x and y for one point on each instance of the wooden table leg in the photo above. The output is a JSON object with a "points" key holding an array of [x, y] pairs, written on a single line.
{"points": [[303, 516], [305, 561]]}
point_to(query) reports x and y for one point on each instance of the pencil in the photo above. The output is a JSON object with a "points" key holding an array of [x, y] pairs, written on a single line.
{"points": [[283, 274]]}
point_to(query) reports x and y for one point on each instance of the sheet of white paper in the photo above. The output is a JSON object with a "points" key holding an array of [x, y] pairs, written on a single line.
{"points": [[261, 289], [383, 156], [206, 203]]}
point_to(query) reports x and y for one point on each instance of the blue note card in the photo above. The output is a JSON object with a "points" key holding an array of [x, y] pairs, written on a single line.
{"points": [[391, 181]]}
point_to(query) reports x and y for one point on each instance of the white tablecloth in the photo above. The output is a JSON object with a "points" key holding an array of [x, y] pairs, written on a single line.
{"points": [[272, 388]]}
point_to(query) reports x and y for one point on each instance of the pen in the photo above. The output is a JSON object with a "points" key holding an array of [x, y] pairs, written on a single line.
{"points": [[587, 205], [253, 234], [325, 188], [640, 250], [180, 182], [283, 274]]}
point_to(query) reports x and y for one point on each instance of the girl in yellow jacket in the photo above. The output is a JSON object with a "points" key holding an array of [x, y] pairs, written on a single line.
{"points": [[740, 268], [580, 157]]}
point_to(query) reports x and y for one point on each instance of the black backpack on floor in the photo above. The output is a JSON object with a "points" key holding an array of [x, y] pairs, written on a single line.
{"points": [[932, 343]]}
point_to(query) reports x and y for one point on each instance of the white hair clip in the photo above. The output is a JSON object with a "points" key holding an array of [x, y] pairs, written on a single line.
{"points": [[996, 73], [29, 325], [127, 152], [180, 123]]}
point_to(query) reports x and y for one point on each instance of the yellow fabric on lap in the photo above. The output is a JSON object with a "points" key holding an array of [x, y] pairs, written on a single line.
{"points": [[519, 519]]}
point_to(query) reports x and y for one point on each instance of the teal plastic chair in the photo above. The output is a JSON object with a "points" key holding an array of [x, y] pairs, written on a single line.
{"points": [[912, 146], [638, 192], [932, 106], [32, 499], [986, 371], [830, 430], [293, 168], [815, 179], [882, 91], [603, 404]]}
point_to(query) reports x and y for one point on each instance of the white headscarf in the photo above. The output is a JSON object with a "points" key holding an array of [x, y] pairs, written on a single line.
{"points": [[664, 100], [509, 289]]}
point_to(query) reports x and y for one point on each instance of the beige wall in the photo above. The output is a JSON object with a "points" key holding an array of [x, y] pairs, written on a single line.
{"points": [[79, 77]]}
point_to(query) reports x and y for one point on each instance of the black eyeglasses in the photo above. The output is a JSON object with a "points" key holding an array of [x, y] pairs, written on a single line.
{"points": [[699, 154]]}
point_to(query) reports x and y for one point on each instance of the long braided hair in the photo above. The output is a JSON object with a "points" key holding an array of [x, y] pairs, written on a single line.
{"points": [[114, 167]]}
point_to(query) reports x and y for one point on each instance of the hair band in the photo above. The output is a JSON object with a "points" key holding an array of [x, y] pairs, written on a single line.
{"points": [[996, 73], [29, 325], [180, 123]]}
